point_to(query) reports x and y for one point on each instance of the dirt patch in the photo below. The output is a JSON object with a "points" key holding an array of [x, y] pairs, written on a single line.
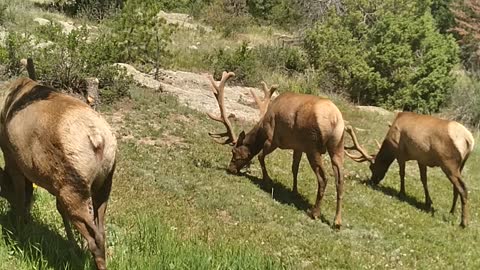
{"points": [[375, 109], [194, 91]]}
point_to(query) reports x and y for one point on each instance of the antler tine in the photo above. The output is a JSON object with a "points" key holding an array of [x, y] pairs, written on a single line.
{"points": [[364, 156], [225, 77], [268, 92], [267, 96], [218, 91], [356, 158]]}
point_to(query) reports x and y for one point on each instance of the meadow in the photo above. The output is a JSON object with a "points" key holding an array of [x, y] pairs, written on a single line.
{"points": [[173, 206]]}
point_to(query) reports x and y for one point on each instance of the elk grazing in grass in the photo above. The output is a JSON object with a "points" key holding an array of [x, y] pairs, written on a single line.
{"points": [[432, 142], [305, 123], [59, 143]]}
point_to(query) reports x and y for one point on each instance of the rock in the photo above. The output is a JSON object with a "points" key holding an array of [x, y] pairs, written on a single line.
{"points": [[3, 36], [182, 20], [67, 27], [41, 21], [194, 90], [374, 109]]}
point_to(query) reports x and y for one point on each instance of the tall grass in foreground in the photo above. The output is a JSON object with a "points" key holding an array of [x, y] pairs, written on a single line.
{"points": [[153, 246]]}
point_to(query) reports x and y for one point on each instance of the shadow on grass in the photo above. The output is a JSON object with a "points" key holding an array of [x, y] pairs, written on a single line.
{"points": [[396, 194], [40, 245], [280, 192]]}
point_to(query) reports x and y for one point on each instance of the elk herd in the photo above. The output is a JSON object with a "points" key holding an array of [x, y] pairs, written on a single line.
{"points": [[61, 144]]}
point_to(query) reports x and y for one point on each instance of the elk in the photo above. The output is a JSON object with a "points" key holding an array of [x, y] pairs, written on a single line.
{"points": [[432, 142], [62, 145], [305, 123]]}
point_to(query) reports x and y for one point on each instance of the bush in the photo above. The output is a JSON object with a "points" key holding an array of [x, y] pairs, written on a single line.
{"points": [[92, 9], [3, 13], [138, 35], [65, 60], [251, 65], [15, 45], [227, 16], [280, 58], [241, 61], [397, 59], [70, 58], [464, 102]]}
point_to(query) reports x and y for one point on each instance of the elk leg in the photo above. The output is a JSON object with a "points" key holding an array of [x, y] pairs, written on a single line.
{"points": [[80, 211], [268, 148], [423, 177], [19, 184], [337, 165], [401, 165], [297, 156], [315, 160], [66, 223], [460, 187], [28, 195], [100, 200], [454, 203]]}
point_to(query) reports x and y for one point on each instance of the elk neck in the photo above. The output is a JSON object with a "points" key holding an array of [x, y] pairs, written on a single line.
{"points": [[255, 138], [383, 160]]}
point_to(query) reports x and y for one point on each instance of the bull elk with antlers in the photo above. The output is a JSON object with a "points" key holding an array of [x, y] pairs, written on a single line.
{"points": [[305, 123], [432, 142], [59, 143]]}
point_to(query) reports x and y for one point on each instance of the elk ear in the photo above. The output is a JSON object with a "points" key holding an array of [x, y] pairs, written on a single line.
{"points": [[241, 137]]}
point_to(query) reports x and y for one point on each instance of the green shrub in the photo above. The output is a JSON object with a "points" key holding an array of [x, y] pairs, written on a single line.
{"points": [[227, 17], [16, 45], [92, 9], [464, 102], [280, 58], [3, 13], [397, 59], [138, 35], [240, 60], [65, 60]]}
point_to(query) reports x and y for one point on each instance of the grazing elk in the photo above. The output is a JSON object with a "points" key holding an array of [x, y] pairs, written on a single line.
{"points": [[432, 142], [59, 143], [304, 123]]}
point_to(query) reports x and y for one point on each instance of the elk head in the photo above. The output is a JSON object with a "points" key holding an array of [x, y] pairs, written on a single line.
{"points": [[377, 168], [244, 147]]}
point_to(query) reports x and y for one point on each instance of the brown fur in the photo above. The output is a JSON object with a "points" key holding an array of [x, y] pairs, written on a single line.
{"points": [[61, 144], [432, 142], [306, 124]]}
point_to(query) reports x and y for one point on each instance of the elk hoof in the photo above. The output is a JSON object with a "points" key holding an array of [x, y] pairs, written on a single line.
{"points": [[314, 213], [337, 225], [429, 208], [100, 263]]}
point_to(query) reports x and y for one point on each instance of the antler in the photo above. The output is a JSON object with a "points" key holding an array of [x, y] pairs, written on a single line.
{"points": [[218, 91], [364, 156], [267, 97]]}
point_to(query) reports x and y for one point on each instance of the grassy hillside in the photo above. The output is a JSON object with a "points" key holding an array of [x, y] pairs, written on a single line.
{"points": [[173, 206]]}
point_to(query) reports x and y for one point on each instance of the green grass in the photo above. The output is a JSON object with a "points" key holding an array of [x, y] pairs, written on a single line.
{"points": [[173, 206]]}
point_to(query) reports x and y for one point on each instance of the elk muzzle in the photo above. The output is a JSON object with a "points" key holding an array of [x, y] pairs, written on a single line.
{"points": [[232, 168]]}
